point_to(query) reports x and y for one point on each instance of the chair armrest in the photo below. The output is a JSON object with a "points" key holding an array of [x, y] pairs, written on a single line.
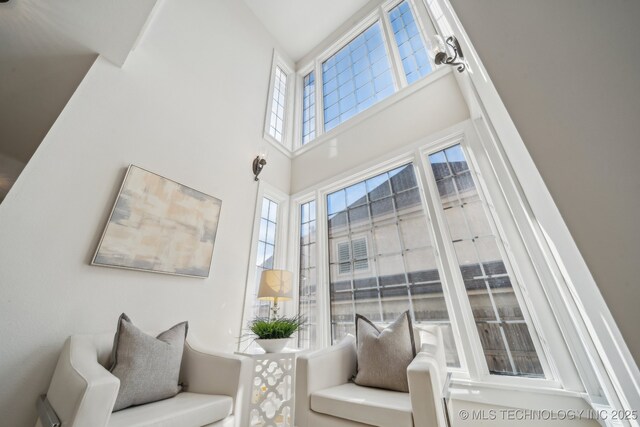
{"points": [[82, 392], [322, 369], [209, 372], [425, 388]]}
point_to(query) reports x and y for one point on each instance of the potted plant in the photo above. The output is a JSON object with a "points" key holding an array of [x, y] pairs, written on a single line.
{"points": [[273, 334]]}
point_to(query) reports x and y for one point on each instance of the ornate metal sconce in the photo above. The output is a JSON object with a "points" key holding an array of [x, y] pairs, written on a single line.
{"points": [[258, 164], [441, 54]]}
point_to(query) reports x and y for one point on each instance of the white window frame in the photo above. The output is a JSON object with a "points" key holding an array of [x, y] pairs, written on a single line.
{"points": [[535, 330], [555, 356], [280, 258], [294, 255], [299, 105], [379, 13], [285, 145], [321, 191], [426, 32], [603, 361]]}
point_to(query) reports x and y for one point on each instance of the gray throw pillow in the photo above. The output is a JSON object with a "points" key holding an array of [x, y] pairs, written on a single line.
{"points": [[384, 355], [148, 367]]}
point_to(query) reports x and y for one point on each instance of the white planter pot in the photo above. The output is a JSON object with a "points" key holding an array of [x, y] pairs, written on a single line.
{"points": [[273, 345]]}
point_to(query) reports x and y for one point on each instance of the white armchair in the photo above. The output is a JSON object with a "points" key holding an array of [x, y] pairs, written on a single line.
{"points": [[82, 392], [326, 398]]}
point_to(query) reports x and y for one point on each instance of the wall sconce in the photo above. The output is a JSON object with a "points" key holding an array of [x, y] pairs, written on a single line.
{"points": [[442, 56], [258, 164]]}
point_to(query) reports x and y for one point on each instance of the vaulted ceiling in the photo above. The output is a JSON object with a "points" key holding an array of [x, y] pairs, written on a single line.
{"points": [[300, 25]]}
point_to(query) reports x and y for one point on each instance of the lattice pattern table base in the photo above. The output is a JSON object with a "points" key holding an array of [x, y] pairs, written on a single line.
{"points": [[271, 401]]}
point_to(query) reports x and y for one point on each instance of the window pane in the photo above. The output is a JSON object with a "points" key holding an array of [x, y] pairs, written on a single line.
{"points": [[413, 53], [266, 251], [278, 101], [381, 258], [308, 286], [308, 108], [503, 331], [356, 77]]}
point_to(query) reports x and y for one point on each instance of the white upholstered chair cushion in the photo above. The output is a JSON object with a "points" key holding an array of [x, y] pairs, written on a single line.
{"points": [[377, 407], [182, 410], [82, 391]]}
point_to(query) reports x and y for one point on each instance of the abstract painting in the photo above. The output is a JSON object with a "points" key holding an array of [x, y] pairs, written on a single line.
{"points": [[161, 226]]}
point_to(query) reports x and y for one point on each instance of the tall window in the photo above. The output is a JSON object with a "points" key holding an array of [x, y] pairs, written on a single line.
{"points": [[382, 259], [266, 251], [504, 333], [278, 101], [308, 108], [308, 276], [411, 48], [356, 77]]}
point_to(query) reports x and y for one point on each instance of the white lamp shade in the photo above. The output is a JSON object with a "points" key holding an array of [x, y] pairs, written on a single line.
{"points": [[275, 284]]}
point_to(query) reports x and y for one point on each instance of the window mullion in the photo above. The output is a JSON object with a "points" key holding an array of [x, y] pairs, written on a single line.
{"points": [[298, 112], [523, 295], [461, 312], [508, 337], [319, 99], [322, 272], [477, 364]]}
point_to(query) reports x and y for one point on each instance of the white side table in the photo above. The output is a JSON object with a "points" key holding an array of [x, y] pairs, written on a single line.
{"points": [[272, 388]]}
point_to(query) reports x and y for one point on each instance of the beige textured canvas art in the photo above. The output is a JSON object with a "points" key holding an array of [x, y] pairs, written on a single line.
{"points": [[161, 226]]}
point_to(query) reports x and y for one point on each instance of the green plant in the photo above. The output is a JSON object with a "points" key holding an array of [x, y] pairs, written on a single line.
{"points": [[282, 327]]}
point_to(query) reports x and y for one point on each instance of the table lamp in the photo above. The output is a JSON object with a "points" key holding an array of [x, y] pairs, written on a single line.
{"points": [[275, 285]]}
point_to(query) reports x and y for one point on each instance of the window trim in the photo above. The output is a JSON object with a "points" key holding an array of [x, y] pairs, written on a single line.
{"points": [[377, 13], [344, 40], [357, 175], [469, 370], [353, 176], [603, 362], [285, 145], [517, 280], [300, 74], [424, 31], [294, 250], [280, 258], [354, 121]]}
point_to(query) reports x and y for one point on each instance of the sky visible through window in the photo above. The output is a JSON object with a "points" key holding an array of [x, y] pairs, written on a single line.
{"points": [[276, 121], [356, 77], [411, 48], [361, 73], [309, 108], [266, 250]]}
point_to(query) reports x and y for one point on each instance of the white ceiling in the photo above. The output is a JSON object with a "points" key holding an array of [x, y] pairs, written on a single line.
{"points": [[300, 25], [46, 48]]}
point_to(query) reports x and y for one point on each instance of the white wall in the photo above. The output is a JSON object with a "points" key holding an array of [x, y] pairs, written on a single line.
{"points": [[189, 105], [567, 72], [432, 108]]}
